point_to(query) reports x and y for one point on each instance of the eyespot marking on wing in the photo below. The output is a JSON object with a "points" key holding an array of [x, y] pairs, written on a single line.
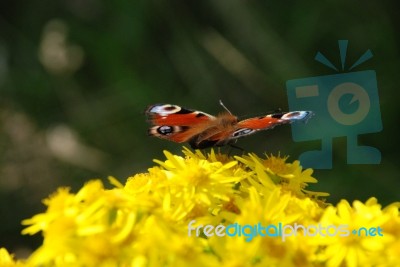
{"points": [[166, 130], [241, 132], [297, 115], [164, 109]]}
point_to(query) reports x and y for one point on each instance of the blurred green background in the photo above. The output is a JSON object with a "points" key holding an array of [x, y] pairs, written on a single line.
{"points": [[76, 76]]}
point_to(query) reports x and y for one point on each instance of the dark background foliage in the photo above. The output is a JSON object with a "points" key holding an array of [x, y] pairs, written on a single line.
{"points": [[76, 75]]}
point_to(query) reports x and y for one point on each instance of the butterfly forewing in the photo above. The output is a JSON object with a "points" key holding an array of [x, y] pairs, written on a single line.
{"points": [[252, 125], [176, 123], [173, 115]]}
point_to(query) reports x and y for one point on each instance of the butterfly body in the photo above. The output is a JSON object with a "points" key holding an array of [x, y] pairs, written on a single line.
{"points": [[202, 130]]}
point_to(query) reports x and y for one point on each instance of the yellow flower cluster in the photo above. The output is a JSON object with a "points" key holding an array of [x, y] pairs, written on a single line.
{"points": [[165, 217]]}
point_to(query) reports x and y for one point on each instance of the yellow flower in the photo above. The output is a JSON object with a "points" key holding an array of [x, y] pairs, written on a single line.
{"points": [[263, 213], [169, 216], [290, 176], [90, 228], [360, 239], [196, 185]]}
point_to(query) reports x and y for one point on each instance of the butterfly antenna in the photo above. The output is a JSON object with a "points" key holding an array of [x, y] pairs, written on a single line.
{"points": [[222, 104]]}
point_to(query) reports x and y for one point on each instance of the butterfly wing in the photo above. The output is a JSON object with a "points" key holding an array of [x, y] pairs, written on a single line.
{"points": [[176, 123], [252, 125]]}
